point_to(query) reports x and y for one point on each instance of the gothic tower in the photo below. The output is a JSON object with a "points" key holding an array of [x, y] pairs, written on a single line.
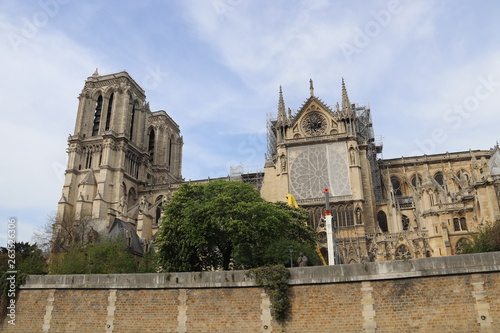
{"points": [[118, 148]]}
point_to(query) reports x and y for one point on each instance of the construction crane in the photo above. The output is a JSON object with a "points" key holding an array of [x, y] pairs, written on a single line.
{"points": [[293, 203]]}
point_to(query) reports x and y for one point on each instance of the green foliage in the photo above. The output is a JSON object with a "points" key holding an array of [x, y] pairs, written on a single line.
{"points": [[279, 253], [27, 259], [275, 280], [147, 264], [73, 261], [486, 240], [108, 256], [206, 226]]}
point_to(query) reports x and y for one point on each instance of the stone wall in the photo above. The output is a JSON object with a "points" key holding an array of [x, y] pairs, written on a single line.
{"points": [[445, 294]]}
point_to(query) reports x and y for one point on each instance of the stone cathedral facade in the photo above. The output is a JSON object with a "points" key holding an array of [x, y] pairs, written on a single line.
{"points": [[124, 163], [383, 209]]}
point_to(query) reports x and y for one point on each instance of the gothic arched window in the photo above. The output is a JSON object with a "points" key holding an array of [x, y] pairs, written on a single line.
{"points": [[416, 180], [151, 145], [342, 220], [349, 215], [132, 197], [405, 222], [396, 186], [402, 252], [108, 114], [382, 221], [97, 116], [158, 198], [460, 224], [88, 160], [170, 146], [132, 116], [438, 177], [158, 215]]}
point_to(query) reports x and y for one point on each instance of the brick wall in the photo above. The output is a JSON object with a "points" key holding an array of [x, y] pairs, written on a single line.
{"points": [[447, 294], [156, 310]]}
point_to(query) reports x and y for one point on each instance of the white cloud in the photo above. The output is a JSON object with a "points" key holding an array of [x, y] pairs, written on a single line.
{"points": [[221, 63], [41, 82]]}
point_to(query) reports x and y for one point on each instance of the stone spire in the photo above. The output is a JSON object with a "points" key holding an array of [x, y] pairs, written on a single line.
{"points": [[346, 105], [282, 118], [96, 73], [311, 87]]}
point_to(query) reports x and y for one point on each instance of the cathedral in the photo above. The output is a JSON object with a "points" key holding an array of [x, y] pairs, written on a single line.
{"points": [[124, 163]]}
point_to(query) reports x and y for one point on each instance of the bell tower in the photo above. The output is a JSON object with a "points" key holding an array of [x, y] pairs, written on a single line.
{"points": [[118, 147]]}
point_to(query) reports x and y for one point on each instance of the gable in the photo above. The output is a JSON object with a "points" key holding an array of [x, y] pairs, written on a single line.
{"points": [[314, 118]]}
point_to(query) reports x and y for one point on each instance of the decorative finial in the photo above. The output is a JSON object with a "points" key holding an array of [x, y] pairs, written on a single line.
{"points": [[281, 109], [96, 73], [311, 87], [346, 105]]}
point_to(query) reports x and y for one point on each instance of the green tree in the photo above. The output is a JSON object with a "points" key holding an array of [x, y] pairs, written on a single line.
{"points": [[486, 240], [27, 259], [108, 256], [208, 225], [73, 261], [147, 264]]}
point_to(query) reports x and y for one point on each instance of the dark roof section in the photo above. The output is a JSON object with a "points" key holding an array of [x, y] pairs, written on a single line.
{"points": [[125, 230]]}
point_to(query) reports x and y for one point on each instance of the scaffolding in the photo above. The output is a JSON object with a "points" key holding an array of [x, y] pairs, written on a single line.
{"points": [[271, 137], [364, 130], [252, 176]]}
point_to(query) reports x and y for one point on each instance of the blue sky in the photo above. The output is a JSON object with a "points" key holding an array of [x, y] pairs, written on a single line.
{"points": [[428, 69]]}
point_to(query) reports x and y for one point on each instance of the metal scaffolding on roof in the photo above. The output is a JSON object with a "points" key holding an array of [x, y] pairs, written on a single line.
{"points": [[271, 136]]}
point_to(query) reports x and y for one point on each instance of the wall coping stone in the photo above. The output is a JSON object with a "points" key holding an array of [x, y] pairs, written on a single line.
{"points": [[373, 271]]}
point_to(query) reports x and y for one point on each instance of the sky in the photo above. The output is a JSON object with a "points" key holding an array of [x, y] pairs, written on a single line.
{"points": [[429, 70]]}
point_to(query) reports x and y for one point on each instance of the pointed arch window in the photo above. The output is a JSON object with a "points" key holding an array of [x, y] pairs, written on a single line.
{"points": [[343, 216], [416, 180], [151, 145], [97, 116], [396, 186], [460, 224], [405, 222], [159, 211], [108, 114], [132, 197], [170, 150], [438, 177], [132, 116], [402, 252], [349, 215], [382, 221], [88, 160]]}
